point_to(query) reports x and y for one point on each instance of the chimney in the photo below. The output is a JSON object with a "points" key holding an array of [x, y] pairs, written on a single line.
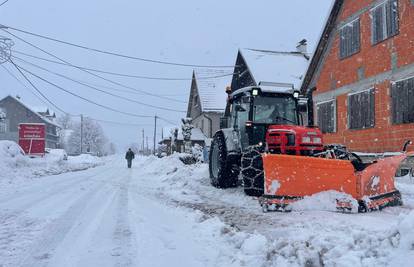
{"points": [[302, 46], [18, 97]]}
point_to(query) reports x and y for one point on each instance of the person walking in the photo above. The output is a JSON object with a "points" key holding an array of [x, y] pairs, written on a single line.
{"points": [[129, 156]]}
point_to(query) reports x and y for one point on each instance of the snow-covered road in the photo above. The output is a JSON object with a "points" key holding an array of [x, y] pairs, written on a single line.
{"points": [[162, 213], [107, 216]]}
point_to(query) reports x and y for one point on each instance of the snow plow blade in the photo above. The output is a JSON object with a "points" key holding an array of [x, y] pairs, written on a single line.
{"points": [[290, 178]]}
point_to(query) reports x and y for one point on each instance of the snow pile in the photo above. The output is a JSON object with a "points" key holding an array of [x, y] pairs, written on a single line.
{"points": [[236, 248], [402, 237], [14, 165], [313, 234], [326, 201]]}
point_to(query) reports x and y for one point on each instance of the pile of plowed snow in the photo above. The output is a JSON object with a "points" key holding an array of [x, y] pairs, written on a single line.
{"points": [[313, 234], [15, 165]]}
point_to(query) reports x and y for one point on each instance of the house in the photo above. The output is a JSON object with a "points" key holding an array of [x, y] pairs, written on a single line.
{"points": [[256, 67], [197, 137], [363, 69], [16, 112], [207, 99]]}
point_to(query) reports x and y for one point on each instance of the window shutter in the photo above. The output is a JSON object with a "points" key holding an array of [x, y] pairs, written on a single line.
{"points": [[378, 24], [355, 36], [411, 100], [392, 17]]}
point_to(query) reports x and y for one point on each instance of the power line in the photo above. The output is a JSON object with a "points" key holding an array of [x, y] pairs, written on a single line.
{"points": [[37, 90], [4, 2], [100, 90], [115, 53], [122, 74], [92, 118], [86, 71], [22, 84], [166, 120], [119, 123], [81, 97]]}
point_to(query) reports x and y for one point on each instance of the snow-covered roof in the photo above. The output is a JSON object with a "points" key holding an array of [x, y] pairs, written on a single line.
{"points": [[196, 135], [35, 112], [212, 91], [276, 67], [43, 110]]}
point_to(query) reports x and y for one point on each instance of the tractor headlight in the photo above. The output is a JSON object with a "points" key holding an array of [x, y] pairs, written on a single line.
{"points": [[306, 139], [317, 140], [255, 92]]}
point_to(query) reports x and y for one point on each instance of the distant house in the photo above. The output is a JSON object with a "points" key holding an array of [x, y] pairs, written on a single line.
{"points": [[197, 137], [207, 100], [15, 112], [363, 69]]}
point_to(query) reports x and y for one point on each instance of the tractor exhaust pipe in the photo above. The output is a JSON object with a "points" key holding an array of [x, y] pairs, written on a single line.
{"points": [[406, 145], [309, 96]]}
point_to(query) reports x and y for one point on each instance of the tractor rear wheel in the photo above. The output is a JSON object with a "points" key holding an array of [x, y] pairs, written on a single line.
{"points": [[224, 172], [252, 171]]}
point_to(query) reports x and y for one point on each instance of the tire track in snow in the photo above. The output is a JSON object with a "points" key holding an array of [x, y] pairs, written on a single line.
{"points": [[123, 233], [42, 251]]}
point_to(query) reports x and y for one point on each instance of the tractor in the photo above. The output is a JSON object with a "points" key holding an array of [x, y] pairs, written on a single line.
{"points": [[260, 119], [263, 137]]}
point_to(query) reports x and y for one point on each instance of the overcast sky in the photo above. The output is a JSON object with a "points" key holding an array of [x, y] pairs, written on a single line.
{"points": [[195, 32]]}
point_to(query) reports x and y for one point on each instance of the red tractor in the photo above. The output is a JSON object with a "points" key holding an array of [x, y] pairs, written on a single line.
{"points": [[283, 161], [261, 119]]}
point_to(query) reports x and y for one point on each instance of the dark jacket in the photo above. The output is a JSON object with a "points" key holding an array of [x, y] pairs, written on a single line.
{"points": [[129, 155]]}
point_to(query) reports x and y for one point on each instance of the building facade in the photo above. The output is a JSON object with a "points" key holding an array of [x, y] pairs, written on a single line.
{"points": [[15, 112], [207, 101], [363, 69]]}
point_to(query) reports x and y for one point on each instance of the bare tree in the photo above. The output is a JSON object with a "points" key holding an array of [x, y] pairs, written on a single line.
{"points": [[94, 139]]}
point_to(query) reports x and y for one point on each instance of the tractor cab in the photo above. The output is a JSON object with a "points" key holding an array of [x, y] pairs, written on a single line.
{"points": [[272, 116]]}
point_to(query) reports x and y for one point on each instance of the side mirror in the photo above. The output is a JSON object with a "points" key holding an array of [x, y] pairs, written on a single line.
{"points": [[303, 105]]}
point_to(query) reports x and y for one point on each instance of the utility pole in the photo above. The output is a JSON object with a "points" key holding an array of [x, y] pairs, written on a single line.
{"points": [[143, 140], [147, 144], [155, 133], [81, 134]]}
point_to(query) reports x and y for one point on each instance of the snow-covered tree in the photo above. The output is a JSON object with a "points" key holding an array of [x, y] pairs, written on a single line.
{"points": [[94, 139], [186, 128], [174, 136], [65, 122]]}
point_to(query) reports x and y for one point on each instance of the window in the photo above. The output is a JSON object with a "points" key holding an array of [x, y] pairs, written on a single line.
{"points": [[361, 110], [350, 40], [402, 94], [3, 121], [384, 21], [326, 116], [195, 100]]}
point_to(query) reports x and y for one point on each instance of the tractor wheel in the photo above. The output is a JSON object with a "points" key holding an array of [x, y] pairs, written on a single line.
{"points": [[224, 172], [252, 171]]}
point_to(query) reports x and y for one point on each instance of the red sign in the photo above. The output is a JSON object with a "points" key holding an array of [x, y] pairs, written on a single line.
{"points": [[32, 138]]}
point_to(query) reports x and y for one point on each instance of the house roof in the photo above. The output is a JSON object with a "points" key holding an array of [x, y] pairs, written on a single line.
{"points": [[212, 91], [196, 135], [46, 120], [322, 44], [276, 67]]}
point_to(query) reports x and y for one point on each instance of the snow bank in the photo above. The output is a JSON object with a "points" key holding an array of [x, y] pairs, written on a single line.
{"points": [[313, 234], [14, 165], [324, 201]]}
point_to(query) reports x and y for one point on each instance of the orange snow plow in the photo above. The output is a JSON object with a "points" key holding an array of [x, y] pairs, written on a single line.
{"points": [[290, 178]]}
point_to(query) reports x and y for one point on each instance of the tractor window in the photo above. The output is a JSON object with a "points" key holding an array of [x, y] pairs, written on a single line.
{"points": [[275, 110]]}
